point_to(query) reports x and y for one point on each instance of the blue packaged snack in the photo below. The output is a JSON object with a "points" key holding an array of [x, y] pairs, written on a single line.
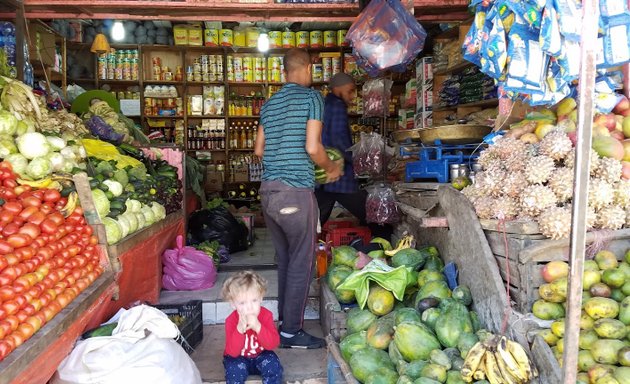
{"points": [[569, 60], [528, 63], [609, 8], [550, 39], [494, 52], [617, 40], [529, 10], [474, 38], [569, 18]]}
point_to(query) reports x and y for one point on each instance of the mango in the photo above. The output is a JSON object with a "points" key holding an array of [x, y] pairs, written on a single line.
{"points": [[586, 322], [610, 328], [549, 337], [543, 127], [617, 295], [626, 288], [560, 286], [624, 311], [554, 270], [587, 338], [557, 327], [582, 378], [591, 265], [601, 307], [608, 379], [600, 290], [625, 267], [607, 146], [560, 345], [622, 374], [623, 356], [585, 360], [548, 311], [589, 278], [598, 371], [605, 351], [565, 106], [547, 293], [614, 277], [606, 259]]}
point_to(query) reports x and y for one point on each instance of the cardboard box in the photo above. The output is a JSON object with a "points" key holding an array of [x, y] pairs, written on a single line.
{"points": [[214, 181], [424, 120], [195, 35], [42, 44], [180, 34], [425, 98], [424, 70], [240, 174]]}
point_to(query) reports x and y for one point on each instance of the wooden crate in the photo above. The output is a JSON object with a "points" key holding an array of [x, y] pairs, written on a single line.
{"points": [[331, 315], [526, 254]]}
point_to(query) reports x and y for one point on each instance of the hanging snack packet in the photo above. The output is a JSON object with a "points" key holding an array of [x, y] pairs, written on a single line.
{"points": [[617, 40], [609, 8], [569, 18], [528, 63], [474, 38], [569, 60], [494, 52], [550, 39], [555, 79], [529, 10]]}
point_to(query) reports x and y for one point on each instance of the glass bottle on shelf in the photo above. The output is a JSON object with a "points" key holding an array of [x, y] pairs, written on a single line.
{"points": [[249, 111], [242, 139]]}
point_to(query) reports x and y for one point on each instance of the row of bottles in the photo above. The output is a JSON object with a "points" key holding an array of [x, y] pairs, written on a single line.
{"points": [[243, 134], [245, 105], [210, 135]]}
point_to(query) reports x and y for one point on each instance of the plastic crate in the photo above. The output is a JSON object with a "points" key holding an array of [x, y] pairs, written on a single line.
{"points": [[344, 236], [334, 224], [192, 327]]}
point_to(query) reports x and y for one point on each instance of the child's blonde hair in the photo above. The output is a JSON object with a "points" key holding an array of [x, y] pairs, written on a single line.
{"points": [[241, 282]]}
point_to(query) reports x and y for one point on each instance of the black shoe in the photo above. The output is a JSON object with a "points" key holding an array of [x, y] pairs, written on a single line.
{"points": [[301, 340]]}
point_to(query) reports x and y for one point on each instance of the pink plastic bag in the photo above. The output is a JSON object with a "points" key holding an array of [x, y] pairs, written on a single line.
{"points": [[187, 269]]}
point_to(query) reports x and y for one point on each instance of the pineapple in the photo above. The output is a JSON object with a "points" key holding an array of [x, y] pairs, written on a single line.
{"points": [[622, 194], [600, 194], [507, 146], [514, 184], [611, 217], [504, 208], [561, 183], [608, 169], [555, 222], [556, 144], [569, 161], [538, 169], [484, 207], [488, 158], [490, 181], [535, 199]]}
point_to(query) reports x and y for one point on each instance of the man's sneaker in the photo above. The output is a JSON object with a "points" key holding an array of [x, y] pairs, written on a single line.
{"points": [[301, 340]]}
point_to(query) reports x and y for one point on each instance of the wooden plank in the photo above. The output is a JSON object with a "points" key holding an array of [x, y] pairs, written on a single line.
{"points": [[515, 277], [21, 359], [142, 235], [548, 367], [497, 244], [332, 316], [518, 227], [333, 348], [468, 248]]}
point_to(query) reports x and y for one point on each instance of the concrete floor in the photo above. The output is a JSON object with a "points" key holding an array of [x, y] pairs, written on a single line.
{"points": [[300, 366]]}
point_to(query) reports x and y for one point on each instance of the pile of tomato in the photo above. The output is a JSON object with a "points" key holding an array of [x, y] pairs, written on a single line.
{"points": [[46, 259]]}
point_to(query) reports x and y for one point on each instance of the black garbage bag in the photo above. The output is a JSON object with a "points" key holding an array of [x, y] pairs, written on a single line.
{"points": [[218, 224]]}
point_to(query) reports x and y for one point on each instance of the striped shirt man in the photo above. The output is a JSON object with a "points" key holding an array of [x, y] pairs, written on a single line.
{"points": [[284, 118]]}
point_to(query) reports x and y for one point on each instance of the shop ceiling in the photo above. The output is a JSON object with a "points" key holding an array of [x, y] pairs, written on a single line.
{"points": [[426, 11]]}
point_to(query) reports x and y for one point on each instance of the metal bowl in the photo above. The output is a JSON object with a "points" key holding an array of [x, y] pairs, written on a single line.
{"points": [[406, 135], [454, 134]]}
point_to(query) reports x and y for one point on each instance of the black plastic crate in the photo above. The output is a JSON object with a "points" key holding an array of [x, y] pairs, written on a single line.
{"points": [[192, 327]]}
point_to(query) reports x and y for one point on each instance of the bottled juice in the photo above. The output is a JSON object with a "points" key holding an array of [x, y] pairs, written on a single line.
{"points": [[321, 260]]}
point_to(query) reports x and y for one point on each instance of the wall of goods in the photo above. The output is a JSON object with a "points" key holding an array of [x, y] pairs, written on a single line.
{"points": [[205, 91]]}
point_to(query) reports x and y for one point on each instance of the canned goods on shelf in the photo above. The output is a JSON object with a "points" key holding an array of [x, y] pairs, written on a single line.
{"points": [[316, 39], [227, 38], [288, 39], [302, 39], [330, 39], [341, 38], [275, 39]]}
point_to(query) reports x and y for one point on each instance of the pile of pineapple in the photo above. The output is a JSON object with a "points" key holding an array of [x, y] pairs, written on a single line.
{"points": [[529, 179]]}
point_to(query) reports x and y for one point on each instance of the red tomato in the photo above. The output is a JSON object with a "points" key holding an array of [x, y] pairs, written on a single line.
{"points": [[82, 284], [19, 240], [29, 309], [70, 280], [6, 216], [48, 226], [52, 195], [55, 306], [5, 327], [34, 322], [40, 315], [27, 212], [7, 293], [5, 247], [20, 189], [37, 304], [13, 207], [44, 299], [6, 166], [5, 348], [3, 263], [12, 259], [37, 218], [35, 291], [11, 307], [22, 281], [63, 299], [45, 252], [21, 316], [49, 312], [31, 201], [39, 242], [31, 230], [59, 287], [46, 209], [10, 229], [17, 337], [57, 218], [25, 253], [10, 273], [9, 183], [14, 322], [20, 300]]}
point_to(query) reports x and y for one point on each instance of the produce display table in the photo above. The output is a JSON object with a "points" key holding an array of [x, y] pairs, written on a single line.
{"points": [[36, 360], [139, 260]]}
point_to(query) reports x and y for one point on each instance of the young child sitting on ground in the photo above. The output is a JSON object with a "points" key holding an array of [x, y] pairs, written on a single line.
{"points": [[250, 333]]}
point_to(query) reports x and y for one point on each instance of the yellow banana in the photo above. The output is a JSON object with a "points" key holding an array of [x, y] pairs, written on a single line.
{"points": [[520, 356], [473, 360], [55, 185], [511, 364], [71, 204], [508, 377], [43, 183], [493, 374], [404, 243], [480, 373]]}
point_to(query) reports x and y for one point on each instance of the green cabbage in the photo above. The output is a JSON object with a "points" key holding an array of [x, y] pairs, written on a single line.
{"points": [[148, 214], [112, 230], [133, 205], [18, 162], [7, 146], [56, 142], [159, 210], [8, 123], [142, 222], [32, 145], [132, 220], [114, 187], [57, 161], [101, 203], [120, 175], [124, 226], [38, 168]]}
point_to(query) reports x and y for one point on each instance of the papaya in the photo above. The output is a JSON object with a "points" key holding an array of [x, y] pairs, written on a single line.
{"points": [[344, 296], [624, 311], [430, 317], [368, 361], [352, 343], [451, 353], [605, 351], [431, 250], [425, 380], [454, 377], [427, 275], [617, 295], [622, 374], [462, 293], [424, 304], [601, 307], [587, 338], [434, 371], [404, 380], [406, 315], [359, 320], [437, 289], [344, 255], [336, 275], [457, 362], [380, 333], [434, 263], [380, 301], [438, 356], [409, 257], [548, 336], [474, 319], [610, 328], [465, 342], [396, 358], [413, 369], [585, 360], [547, 311], [383, 376], [452, 323], [414, 341]]}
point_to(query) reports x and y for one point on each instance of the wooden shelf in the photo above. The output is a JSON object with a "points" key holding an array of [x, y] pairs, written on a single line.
{"points": [[236, 117], [201, 83], [163, 117], [480, 103], [119, 82], [162, 82], [454, 69], [206, 150], [206, 117], [233, 83], [241, 150]]}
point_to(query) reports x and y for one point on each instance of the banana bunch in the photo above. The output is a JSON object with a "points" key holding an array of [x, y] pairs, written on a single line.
{"points": [[18, 98], [71, 204], [407, 241], [498, 360]]}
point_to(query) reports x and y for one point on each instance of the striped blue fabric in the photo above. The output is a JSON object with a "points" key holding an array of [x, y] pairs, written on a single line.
{"points": [[284, 118]]}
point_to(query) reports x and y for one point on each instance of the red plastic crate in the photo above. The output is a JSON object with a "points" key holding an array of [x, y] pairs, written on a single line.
{"points": [[343, 236], [333, 224]]}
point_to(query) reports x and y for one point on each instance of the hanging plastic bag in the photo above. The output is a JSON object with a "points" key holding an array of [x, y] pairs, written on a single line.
{"points": [[187, 269], [385, 36], [376, 94], [368, 155], [381, 207]]}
